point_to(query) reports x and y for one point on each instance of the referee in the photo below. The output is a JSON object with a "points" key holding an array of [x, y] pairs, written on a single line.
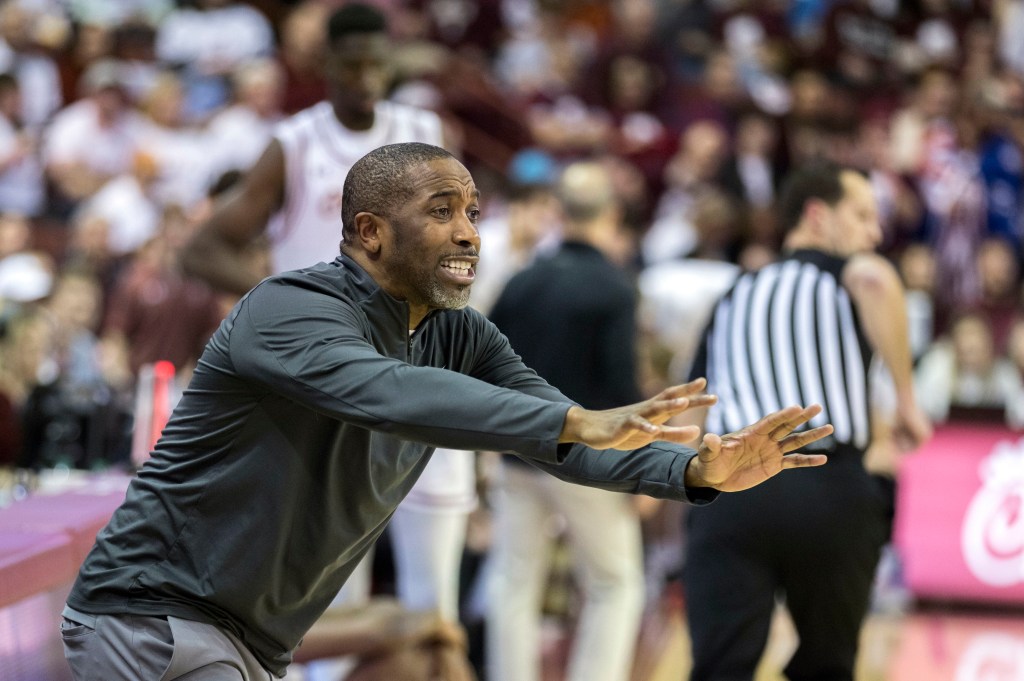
{"points": [[801, 330]]}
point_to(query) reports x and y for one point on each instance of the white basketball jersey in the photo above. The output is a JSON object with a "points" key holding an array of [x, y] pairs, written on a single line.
{"points": [[318, 153]]}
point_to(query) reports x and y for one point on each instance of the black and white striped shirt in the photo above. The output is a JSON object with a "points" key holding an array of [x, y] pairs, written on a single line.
{"points": [[788, 334]]}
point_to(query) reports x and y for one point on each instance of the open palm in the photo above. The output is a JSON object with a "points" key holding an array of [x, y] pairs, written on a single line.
{"points": [[740, 460], [638, 425]]}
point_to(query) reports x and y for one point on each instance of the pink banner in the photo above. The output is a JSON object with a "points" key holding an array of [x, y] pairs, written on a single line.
{"points": [[960, 515]]}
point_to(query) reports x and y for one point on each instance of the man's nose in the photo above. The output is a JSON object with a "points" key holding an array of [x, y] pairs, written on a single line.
{"points": [[466, 233]]}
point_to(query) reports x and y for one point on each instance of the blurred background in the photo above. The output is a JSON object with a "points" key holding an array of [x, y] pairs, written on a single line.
{"points": [[122, 121]]}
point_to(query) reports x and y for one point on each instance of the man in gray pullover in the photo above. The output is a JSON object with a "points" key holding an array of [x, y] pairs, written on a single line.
{"points": [[311, 413]]}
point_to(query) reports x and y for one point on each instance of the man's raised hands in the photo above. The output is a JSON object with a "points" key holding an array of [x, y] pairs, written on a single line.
{"points": [[740, 460], [639, 424], [730, 463]]}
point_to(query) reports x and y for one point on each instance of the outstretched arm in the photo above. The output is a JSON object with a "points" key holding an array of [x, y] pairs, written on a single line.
{"points": [[728, 463], [383, 626], [391, 642], [501, 406]]}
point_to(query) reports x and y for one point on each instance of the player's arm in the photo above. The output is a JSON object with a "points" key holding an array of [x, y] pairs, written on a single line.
{"points": [[380, 627], [217, 252], [877, 294]]}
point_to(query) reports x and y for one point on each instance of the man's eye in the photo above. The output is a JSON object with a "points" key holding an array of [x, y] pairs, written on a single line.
{"points": [[442, 212], [474, 215]]}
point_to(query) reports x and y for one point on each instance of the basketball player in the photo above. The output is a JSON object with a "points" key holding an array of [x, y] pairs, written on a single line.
{"points": [[296, 187]]}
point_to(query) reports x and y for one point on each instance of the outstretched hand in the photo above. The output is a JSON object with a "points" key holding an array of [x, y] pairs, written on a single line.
{"points": [[639, 424], [740, 460]]}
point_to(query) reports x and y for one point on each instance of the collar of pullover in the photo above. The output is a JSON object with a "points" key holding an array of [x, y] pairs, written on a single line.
{"points": [[378, 305]]}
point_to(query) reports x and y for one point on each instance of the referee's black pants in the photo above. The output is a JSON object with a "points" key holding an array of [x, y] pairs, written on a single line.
{"points": [[811, 536]]}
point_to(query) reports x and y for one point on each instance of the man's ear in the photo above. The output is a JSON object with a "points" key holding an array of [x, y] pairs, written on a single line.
{"points": [[816, 214], [368, 228]]}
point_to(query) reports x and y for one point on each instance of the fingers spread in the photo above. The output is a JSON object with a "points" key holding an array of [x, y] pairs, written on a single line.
{"points": [[640, 423], [679, 434], [775, 420], [798, 440], [696, 385], [684, 390], [661, 410], [792, 424], [782, 422], [803, 460], [702, 401]]}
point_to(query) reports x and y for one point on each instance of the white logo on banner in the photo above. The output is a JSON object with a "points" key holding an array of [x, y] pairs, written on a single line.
{"points": [[992, 657], [992, 539]]}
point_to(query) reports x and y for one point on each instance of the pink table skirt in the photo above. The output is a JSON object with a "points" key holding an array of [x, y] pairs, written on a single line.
{"points": [[33, 562], [79, 515], [45, 538]]}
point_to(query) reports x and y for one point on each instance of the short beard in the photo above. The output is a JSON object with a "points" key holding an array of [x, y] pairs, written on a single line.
{"points": [[435, 294], [446, 298]]}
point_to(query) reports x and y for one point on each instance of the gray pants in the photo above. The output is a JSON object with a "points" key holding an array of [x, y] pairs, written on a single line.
{"points": [[138, 648]]}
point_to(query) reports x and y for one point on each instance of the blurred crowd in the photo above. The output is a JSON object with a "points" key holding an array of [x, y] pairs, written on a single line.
{"points": [[121, 122]]}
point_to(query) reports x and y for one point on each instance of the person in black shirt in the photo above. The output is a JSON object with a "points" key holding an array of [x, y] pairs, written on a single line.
{"points": [[571, 316]]}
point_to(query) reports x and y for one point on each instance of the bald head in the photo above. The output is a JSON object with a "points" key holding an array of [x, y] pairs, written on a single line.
{"points": [[585, 190], [378, 180]]}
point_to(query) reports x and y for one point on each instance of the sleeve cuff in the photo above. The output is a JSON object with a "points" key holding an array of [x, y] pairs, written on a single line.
{"points": [[698, 496]]}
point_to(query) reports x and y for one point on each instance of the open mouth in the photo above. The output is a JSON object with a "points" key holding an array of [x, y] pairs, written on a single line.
{"points": [[460, 270]]}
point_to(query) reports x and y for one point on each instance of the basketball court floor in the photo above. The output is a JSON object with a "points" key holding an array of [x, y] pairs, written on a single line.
{"points": [[932, 643], [901, 641], [928, 643]]}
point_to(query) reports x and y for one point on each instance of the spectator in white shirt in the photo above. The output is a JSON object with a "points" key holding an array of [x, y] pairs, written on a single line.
{"points": [[210, 41], [126, 207], [965, 371], [21, 30], [94, 139], [179, 150], [239, 134]]}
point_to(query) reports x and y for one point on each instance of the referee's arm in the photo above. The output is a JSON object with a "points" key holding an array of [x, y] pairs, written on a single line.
{"points": [[878, 296]]}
